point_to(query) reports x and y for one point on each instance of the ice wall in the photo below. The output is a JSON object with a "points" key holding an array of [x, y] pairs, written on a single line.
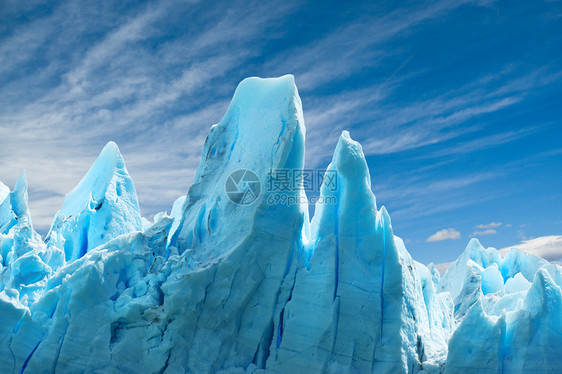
{"points": [[233, 281]]}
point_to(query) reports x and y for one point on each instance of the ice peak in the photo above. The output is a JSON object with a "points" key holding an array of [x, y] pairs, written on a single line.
{"points": [[19, 194], [275, 89], [480, 255], [21, 183], [384, 218], [352, 187], [350, 160], [262, 132], [277, 96], [4, 191], [96, 181], [111, 154], [13, 205], [474, 243], [102, 206], [544, 296]]}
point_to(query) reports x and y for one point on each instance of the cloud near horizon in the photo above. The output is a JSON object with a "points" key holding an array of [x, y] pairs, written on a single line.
{"points": [[445, 234], [548, 247], [491, 225], [483, 232]]}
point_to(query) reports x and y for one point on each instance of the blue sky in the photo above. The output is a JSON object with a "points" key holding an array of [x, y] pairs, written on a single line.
{"points": [[457, 103]]}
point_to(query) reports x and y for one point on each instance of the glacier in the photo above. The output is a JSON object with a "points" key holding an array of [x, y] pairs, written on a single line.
{"points": [[255, 286]]}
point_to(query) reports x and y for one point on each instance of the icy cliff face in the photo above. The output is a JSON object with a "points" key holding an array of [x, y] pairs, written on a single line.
{"points": [[359, 305], [235, 280]]}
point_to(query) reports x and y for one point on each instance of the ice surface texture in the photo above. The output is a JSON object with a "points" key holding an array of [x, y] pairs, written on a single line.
{"points": [[255, 286]]}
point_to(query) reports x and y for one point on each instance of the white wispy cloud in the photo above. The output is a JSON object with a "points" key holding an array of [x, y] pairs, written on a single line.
{"points": [[484, 142], [490, 225], [445, 234], [420, 196], [317, 64], [418, 123], [435, 119], [483, 232], [486, 229]]}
